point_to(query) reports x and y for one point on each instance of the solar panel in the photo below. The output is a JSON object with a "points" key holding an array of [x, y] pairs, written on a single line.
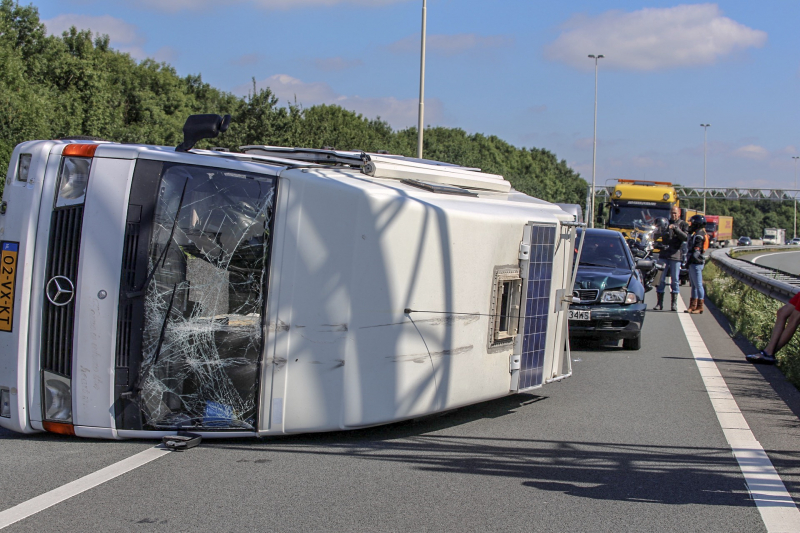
{"points": [[537, 305]]}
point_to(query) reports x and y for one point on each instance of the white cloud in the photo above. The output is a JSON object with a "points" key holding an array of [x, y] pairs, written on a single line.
{"points": [[751, 151], [399, 113], [118, 30], [653, 38], [124, 36], [335, 64], [449, 45], [174, 6]]}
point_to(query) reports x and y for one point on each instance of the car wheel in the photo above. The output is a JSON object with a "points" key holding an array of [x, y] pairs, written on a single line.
{"points": [[632, 344]]}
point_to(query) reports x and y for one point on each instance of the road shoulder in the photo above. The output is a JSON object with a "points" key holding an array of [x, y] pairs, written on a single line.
{"points": [[768, 401]]}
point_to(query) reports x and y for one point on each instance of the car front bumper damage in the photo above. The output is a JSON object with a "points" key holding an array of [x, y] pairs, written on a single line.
{"points": [[609, 321]]}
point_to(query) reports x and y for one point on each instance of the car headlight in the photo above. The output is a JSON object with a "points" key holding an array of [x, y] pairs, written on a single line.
{"points": [[72, 180], [619, 297], [614, 296], [57, 398]]}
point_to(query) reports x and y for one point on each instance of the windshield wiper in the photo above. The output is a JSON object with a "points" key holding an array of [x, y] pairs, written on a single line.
{"points": [[597, 265], [163, 257], [136, 389]]}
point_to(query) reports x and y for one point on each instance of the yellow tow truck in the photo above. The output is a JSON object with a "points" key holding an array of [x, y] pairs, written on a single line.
{"points": [[634, 202]]}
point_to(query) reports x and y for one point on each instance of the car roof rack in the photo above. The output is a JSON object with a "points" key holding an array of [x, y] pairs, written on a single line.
{"points": [[256, 158], [389, 166]]}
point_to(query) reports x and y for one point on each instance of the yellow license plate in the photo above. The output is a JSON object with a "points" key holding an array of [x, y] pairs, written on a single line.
{"points": [[8, 274]]}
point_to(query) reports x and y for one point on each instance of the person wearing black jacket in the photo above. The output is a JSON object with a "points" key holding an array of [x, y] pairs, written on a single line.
{"points": [[671, 238], [695, 263]]}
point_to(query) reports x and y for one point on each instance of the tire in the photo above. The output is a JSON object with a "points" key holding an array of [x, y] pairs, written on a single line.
{"points": [[632, 344]]}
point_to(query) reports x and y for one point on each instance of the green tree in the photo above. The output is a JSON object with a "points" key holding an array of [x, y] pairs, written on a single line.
{"points": [[75, 84]]}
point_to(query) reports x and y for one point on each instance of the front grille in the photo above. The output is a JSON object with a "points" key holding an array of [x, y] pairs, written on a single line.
{"points": [[586, 295], [125, 317], [62, 260]]}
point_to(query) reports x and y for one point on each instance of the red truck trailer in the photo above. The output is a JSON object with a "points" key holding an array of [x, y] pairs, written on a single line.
{"points": [[719, 229]]}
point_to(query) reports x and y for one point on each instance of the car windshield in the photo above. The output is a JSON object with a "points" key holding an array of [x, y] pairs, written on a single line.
{"points": [[604, 250], [628, 216]]}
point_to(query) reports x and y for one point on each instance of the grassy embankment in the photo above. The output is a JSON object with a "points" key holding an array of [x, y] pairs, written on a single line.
{"points": [[752, 315]]}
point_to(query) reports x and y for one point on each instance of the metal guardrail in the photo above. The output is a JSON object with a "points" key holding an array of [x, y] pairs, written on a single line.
{"points": [[770, 281], [717, 193]]}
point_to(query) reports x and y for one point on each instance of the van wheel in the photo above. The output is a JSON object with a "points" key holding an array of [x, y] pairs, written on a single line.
{"points": [[632, 344]]}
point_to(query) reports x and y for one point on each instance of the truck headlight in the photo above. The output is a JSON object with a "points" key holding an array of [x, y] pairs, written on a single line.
{"points": [[72, 180], [5, 403], [57, 398]]}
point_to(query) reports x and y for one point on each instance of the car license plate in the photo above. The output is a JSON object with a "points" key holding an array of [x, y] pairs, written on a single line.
{"points": [[574, 314], [8, 274]]}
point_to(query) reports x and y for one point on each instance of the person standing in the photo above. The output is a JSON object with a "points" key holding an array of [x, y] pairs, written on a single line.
{"points": [[695, 263], [671, 240]]}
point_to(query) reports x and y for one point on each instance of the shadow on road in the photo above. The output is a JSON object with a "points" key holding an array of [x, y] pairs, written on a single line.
{"points": [[598, 470]]}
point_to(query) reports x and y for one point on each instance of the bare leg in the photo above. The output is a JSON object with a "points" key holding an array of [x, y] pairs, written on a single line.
{"points": [[788, 332], [780, 326]]}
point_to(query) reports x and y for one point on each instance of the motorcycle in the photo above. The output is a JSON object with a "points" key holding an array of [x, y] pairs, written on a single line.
{"points": [[640, 242]]}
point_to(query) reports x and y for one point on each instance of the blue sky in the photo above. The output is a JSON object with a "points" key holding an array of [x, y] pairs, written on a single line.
{"points": [[512, 68]]}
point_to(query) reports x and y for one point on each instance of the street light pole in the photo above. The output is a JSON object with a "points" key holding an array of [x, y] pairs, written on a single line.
{"points": [[422, 80], [795, 157], [594, 144], [705, 129]]}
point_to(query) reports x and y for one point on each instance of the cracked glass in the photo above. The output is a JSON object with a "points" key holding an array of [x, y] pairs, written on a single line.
{"points": [[204, 299]]}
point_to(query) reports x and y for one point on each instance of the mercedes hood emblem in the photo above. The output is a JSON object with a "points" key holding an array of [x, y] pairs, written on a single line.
{"points": [[60, 290]]}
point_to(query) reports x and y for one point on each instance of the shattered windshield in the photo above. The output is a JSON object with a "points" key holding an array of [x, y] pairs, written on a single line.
{"points": [[204, 298]]}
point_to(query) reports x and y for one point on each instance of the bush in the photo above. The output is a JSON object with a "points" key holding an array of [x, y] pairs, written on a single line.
{"points": [[752, 315]]}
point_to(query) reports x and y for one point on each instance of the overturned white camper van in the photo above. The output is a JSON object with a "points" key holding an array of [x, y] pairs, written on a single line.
{"points": [[146, 290]]}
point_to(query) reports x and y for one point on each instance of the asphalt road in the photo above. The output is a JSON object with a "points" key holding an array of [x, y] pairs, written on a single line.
{"points": [[786, 261], [629, 443]]}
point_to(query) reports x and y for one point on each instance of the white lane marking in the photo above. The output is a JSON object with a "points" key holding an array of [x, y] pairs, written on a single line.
{"points": [[64, 492], [778, 511], [756, 258]]}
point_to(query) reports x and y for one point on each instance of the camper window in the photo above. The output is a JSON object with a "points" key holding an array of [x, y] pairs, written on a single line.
{"points": [[506, 293]]}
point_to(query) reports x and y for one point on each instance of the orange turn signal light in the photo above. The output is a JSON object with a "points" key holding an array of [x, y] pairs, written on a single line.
{"points": [[80, 150], [59, 427]]}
